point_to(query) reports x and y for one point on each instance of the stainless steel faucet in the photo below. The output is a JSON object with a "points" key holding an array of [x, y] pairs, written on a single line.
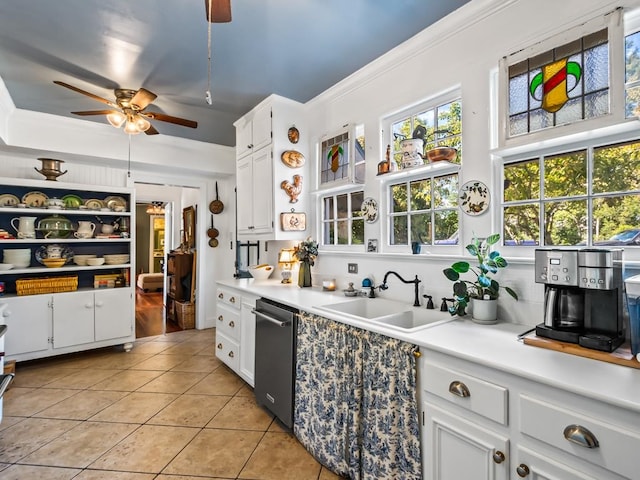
{"points": [[415, 281]]}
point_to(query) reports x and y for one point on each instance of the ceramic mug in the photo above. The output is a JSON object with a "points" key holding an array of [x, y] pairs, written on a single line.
{"points": [[26, 226], [85, 229]]}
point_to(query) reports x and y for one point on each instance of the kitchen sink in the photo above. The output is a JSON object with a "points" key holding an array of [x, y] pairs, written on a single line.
{"points": [[390, 313]]}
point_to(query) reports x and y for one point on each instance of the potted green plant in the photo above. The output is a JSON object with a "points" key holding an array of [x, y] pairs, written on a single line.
{"points": [[483, 287]]}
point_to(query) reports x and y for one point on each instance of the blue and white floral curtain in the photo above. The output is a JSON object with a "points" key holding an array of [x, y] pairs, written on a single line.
{"points": [[355, 401]]}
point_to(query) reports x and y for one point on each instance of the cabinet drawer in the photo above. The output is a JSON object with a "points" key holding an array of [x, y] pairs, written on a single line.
{"points": [[616, 449], [228, 351], [229, 297], [228, 322], [476, 395]]}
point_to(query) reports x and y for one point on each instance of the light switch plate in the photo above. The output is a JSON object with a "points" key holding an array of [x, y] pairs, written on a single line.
{"points": [[352, 267]]}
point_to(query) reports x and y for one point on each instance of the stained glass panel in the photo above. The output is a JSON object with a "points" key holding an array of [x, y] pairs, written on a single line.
{"points": [[567, 84]]}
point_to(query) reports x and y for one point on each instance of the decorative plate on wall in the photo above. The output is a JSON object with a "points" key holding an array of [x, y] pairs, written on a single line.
{"points": [[474, 198], [293, 135], [369, 209]]}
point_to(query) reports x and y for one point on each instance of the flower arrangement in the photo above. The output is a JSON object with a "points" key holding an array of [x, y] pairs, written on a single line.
{"points": [[306, 251], [483, 287]]}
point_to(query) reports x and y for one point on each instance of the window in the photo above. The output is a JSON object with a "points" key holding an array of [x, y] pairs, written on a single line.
{"points": [[440, 125], [588, 196], [563, 85], [342, 158], [424, 210], [632, 75], [342, 219]]}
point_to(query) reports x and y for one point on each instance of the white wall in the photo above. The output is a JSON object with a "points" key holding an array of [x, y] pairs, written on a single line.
{"points": [[462, 51]]}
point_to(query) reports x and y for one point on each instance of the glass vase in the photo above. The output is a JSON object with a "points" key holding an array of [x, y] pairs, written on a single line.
{"points": [[304, 274]]}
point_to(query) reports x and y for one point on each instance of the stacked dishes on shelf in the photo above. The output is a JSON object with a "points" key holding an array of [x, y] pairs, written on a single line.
{"points": [[116, 259], [82, 259], [18, 257]]}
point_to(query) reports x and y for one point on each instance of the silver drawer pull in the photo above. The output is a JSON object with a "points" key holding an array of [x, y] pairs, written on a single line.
{"points": [[220, 318], [498, 457], [232, 300], [230, 354], [220, 346], [581, 436], [459, 389], [232, 324], [221, 295]]}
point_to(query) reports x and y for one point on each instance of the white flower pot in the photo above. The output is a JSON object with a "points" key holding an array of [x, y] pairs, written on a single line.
{"points": [[484, 312]]}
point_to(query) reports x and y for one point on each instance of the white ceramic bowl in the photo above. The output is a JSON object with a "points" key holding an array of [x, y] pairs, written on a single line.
{"points": [[82, 259], [5, 266], [261, 272], [95, 261]]}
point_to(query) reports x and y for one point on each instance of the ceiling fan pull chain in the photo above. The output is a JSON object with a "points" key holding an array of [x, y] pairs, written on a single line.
{"points": [[208, 92]]}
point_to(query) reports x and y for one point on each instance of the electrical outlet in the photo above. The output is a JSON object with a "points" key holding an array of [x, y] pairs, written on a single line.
{"points": [[352, 267]]}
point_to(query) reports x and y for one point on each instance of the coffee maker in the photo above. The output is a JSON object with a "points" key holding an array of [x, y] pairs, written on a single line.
{"points": [[584, 296]]}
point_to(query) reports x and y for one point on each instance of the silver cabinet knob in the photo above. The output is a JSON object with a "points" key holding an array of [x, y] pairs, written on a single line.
{"points": [[232, 300], [522, 470], [221, 296], [581, 436], [459, 389], [498, 456], [231, 355], [232, 324], [220, 318], [220, 346]]}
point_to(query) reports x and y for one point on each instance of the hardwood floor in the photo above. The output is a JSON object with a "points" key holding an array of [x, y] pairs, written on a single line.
{"points": [[149, 315]]}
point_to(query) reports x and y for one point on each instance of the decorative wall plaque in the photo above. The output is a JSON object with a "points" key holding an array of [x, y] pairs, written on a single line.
{"points": [[292, 158], [293, 189], [293, 221]]}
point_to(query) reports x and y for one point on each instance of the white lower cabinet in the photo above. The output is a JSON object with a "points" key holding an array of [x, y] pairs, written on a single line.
{"points": [[455, 448], [44, 325], [483, 423], [248, 338], [28, 321], [236, 331]]}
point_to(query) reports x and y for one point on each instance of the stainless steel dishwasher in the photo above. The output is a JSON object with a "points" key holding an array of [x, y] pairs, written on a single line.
{"points": [[276, 326]]}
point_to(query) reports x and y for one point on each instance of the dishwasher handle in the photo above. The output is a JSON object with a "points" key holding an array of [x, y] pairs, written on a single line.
{"points": [[269, 318]]}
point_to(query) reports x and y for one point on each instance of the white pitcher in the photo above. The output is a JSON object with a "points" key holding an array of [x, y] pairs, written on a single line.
{"points": [[85, 229], [26, 226]]}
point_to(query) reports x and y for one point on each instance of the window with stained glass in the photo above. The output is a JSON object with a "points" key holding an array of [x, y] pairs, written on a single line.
{"points": [[342, 158], [566, 84]]}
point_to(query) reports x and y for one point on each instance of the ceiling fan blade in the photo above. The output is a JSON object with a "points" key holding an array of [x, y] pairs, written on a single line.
{"points": [[151, 131], [168, 118], [142, 99], [220, 11], [84, 92], [85, 113]]}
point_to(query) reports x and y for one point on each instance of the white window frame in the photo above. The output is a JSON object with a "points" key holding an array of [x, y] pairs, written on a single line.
{"points": [[613, 22], [320, 202], [429, 171]]}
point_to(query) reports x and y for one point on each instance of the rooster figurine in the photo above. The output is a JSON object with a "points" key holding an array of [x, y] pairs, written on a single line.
{"points": [[293, 189]]}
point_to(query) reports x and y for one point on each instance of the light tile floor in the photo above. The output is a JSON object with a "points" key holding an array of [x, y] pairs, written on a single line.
{"points": [[167, 410]]}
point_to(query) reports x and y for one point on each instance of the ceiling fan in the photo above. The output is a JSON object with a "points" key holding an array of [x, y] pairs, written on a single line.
{"points": [[128, 109], [218, 11]]}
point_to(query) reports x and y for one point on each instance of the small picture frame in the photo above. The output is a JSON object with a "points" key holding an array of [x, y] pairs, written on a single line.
{"points": [[189, 226], [372, 245], [293, 221]]}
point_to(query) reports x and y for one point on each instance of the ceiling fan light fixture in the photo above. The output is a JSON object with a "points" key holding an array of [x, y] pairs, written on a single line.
{"points": [[131, 128], [142, 123], [116, 119]]}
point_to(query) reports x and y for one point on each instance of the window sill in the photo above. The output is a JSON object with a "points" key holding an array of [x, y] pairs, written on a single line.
{"points": [[440, 168]]}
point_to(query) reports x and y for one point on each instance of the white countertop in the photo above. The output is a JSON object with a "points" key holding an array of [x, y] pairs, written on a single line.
{"points": [[495, 346]]}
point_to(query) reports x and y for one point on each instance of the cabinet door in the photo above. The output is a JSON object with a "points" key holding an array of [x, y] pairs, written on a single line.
{"points": [[243, 138], [244, 187], [261, 131], [114, 313], [535, 466], [28, 321], [454, 448], [73, 319], [262, 191], [247, 339]]}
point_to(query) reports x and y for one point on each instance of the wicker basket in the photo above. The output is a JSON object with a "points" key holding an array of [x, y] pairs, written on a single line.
{"points": [[36, 286], [186, 313]]}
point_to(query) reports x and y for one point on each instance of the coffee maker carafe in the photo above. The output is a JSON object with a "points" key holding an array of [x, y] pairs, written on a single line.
{"points": [[583, 296]]}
